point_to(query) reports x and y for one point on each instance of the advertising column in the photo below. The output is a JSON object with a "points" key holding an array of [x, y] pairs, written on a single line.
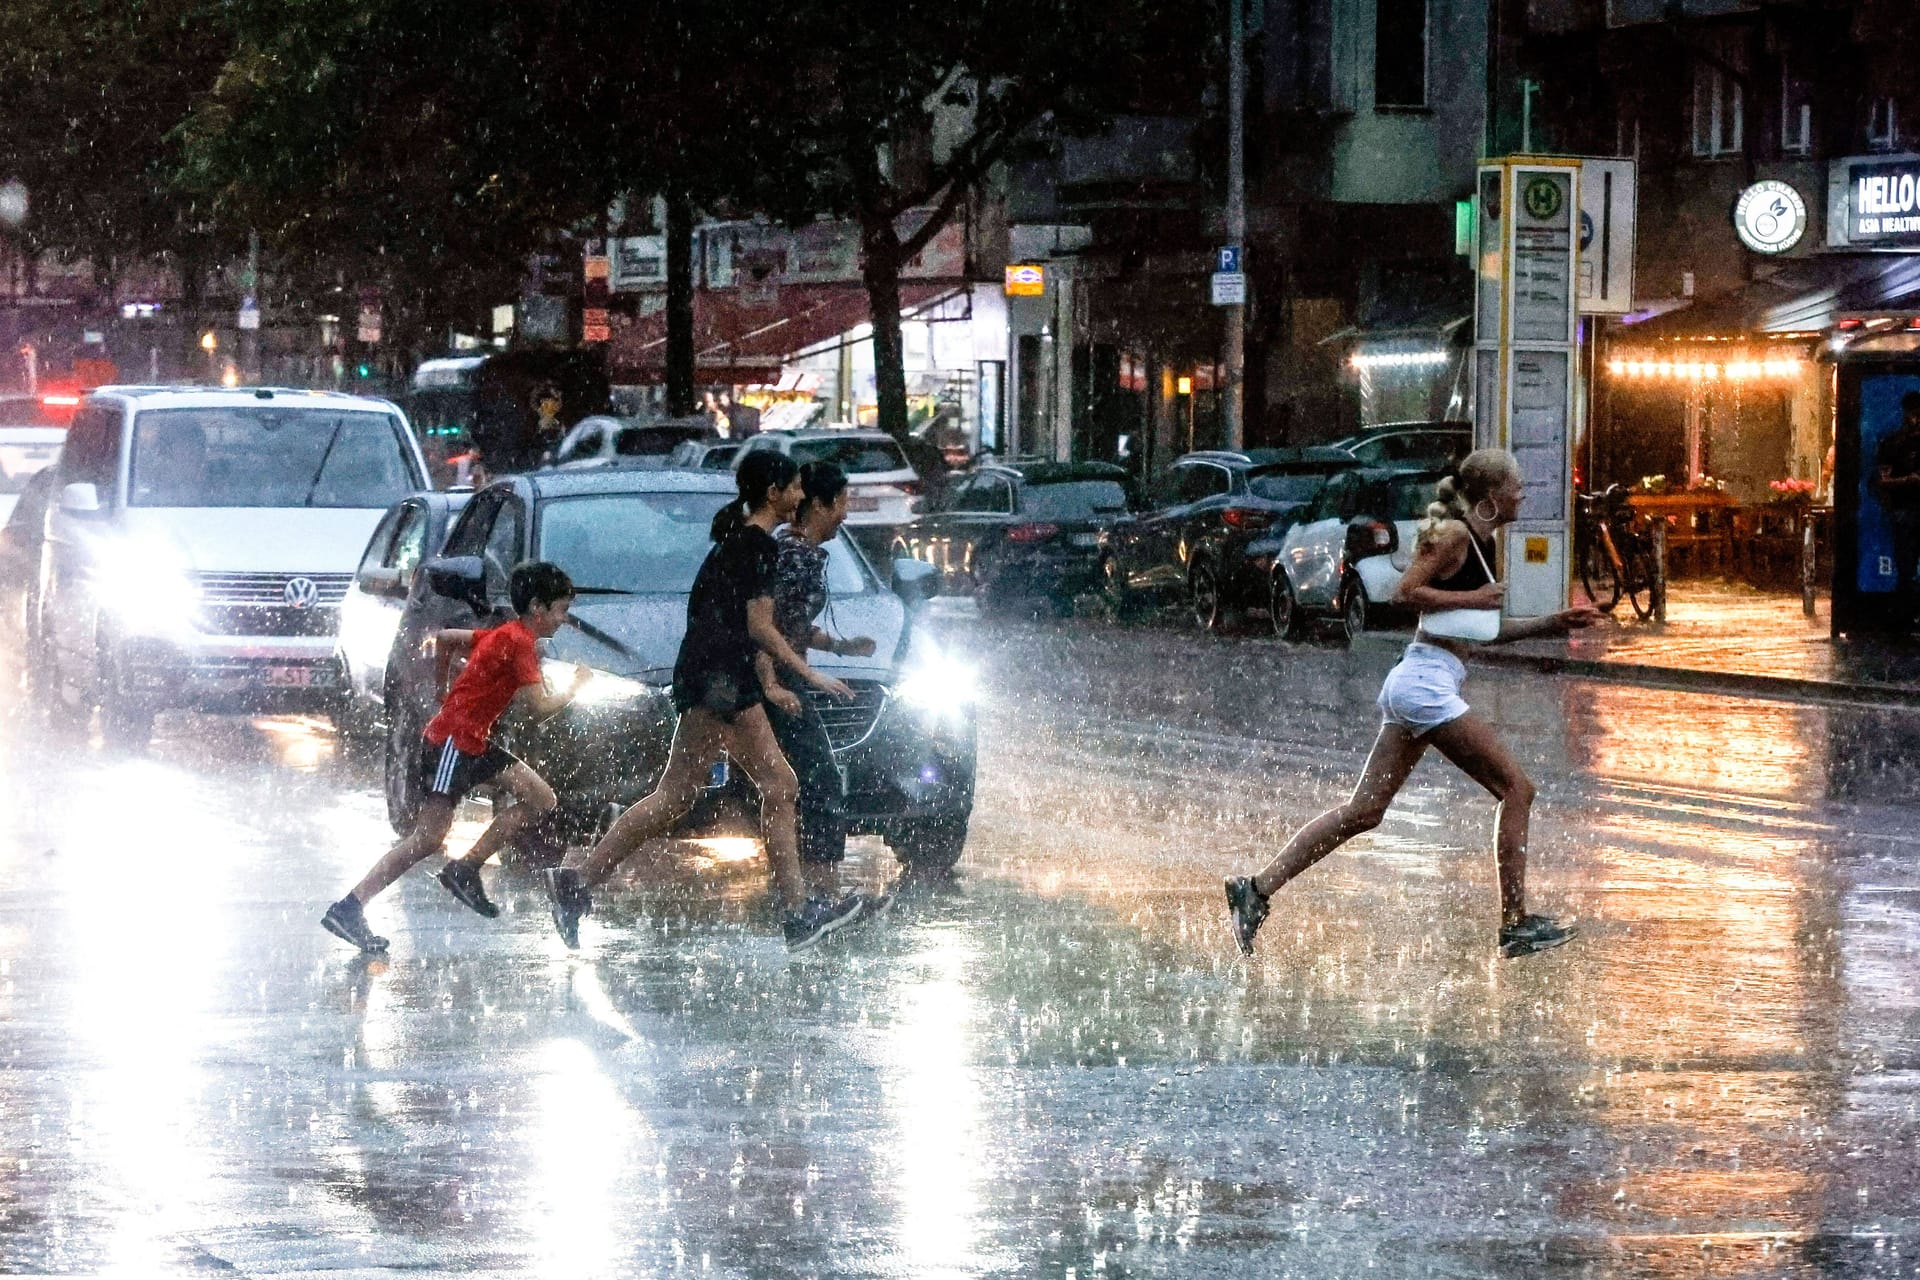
{"points": [[1525, 334]]}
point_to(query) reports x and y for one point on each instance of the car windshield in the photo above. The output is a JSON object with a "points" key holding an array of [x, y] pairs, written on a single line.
{"points": [[1287, 486], [1074, 499], [860, 455], [266, 456], [22, 457], [652, 543]]}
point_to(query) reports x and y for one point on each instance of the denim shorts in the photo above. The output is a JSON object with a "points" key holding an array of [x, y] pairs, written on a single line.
{"points": [[1422, 692]]}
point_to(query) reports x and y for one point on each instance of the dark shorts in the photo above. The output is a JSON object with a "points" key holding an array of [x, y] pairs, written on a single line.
{"points": [[721, 695], [448, 771]]}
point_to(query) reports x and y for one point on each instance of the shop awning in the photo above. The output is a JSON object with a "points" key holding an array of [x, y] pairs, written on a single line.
{"points": [[1806, 295], [744, 336]]}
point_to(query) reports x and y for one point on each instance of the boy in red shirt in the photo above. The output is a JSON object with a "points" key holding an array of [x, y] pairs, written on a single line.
{"points": [[458, 753]]}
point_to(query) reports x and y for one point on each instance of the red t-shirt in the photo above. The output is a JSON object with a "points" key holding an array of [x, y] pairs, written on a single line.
{"points": [[503, 661]]}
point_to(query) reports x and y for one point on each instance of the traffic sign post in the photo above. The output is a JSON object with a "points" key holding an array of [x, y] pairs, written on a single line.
{"points": [[1227, 258], [1229, 288]]}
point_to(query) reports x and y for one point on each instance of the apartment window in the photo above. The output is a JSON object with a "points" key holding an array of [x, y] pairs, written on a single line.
{"points": [[1796, 113], [1718, 112], [1883, 125], [1400, 53]]}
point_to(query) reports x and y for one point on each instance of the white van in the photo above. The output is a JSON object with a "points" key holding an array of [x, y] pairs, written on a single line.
{"points": [[199, 547]]}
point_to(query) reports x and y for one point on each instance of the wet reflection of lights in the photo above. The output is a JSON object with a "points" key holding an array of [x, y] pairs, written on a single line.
{"points": [[1751, 748], [722, 849], [586, 1143], [935, 1099], [299, 742], [598, 1005], [143, 1003]]}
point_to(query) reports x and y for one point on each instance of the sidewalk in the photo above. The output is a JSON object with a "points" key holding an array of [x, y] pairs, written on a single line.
{"points": [[1733, 638]]}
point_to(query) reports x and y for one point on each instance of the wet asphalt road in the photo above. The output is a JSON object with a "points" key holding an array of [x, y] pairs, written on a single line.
{"points": [[1054, 1065]]}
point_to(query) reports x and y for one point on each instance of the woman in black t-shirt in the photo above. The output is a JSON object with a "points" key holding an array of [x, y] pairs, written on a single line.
{"points": [[718, 695]]}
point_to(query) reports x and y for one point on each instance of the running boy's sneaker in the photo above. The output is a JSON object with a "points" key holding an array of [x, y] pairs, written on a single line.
{"points": [[1248, 908], [346, 921], [570, 901], [819, 918], [1533, 933], [462, 880]]}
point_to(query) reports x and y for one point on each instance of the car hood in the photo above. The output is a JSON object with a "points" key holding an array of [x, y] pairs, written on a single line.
{"points": [[258, 539], [639, 636]]}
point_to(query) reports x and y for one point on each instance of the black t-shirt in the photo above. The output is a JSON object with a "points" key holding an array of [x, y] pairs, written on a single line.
{"points": [[1899, 454], [715, 667]]}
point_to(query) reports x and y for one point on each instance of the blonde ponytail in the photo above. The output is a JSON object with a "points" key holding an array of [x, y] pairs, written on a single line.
{"points": [[1473, 482]]}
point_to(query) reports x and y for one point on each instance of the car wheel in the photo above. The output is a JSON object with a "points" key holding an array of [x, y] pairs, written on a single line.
{"points": [[930, 846], [1354, 608], [402, 765], [1289, 623], [1207, 597], [126, 722], [45, 688]]}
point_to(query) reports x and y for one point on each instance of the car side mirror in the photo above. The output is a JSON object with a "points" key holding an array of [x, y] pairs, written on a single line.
{"points": [[459, 578], [915, 581], [81, 499], [380, 581]]}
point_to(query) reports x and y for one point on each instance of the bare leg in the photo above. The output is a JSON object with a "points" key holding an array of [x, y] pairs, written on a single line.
{"points": [[428, 835], [697, 742], [533, 800], [1472, 745], [1394, 754], [751, 744]]}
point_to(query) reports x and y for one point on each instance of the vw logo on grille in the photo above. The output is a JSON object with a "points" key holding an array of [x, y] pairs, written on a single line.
{"points": [[301, 592]]}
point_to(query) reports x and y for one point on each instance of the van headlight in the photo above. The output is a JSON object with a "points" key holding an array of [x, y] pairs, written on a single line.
{"points": [[602, 689], [147, 593], [939, 687]]}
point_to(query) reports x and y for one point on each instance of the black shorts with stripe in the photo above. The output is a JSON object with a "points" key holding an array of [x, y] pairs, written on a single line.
{"points": [[448, 771]]}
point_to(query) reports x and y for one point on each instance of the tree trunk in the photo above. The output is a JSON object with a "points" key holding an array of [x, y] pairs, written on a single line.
{"points": [[880, 268], [680, 373]]}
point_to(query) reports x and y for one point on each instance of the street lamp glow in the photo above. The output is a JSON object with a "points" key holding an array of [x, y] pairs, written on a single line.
{"points": [[208, 342]]}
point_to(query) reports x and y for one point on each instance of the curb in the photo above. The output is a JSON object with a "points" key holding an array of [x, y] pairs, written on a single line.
{"points": [[1692, 680]]}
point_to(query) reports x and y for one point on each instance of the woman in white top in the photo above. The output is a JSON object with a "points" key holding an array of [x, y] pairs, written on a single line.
{"points": [[1452, 585]]}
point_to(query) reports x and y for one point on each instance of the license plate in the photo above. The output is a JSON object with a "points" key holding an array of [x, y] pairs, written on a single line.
{"points": [[298, 677], [858, 503], [720, 773], [1086, 539]]}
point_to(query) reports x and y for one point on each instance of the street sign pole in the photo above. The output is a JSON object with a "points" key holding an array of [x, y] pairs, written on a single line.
{"points": [[1234, 348]]}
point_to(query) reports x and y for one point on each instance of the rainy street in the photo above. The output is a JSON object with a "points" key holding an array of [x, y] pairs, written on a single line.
{"points": [[1054, 1064]]}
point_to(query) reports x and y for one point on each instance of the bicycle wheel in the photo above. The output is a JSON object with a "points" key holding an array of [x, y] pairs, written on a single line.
{"points": [[1639, 570], [1596, 575]]}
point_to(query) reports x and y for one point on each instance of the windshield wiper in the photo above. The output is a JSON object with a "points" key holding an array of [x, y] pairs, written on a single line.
{"points": [[595, 633], [603, 591], [325, 458]]}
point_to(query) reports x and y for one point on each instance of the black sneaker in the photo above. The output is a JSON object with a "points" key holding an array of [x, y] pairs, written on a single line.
{"points": [[818, 919], [346, 921], [1248, 908], [1533, 933], [570, 901], [462, 880]]}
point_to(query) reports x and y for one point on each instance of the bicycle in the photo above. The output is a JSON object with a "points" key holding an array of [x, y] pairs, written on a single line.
{"points": [[1615, 551]]}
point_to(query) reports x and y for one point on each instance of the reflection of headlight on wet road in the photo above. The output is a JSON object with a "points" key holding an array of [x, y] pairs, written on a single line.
{"points": [[939, 687], [148, 594], [602, 689]]}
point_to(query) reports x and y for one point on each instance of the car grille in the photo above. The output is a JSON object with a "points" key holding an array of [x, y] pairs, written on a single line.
{"points": [[270, 588], [267, 620], [849, 723]]}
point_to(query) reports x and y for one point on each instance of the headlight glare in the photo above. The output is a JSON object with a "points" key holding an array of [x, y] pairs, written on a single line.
{"points": [[148, 593], [939, 686], [602, 689]]}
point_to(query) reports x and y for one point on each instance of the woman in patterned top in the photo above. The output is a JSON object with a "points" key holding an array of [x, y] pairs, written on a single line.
{"points": [[799, 597]]}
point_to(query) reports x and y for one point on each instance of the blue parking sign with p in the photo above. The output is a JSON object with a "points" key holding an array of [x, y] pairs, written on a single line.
{"points": [[1227, 258]]}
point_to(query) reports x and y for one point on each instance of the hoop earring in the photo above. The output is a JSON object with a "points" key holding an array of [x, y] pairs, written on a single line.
{"points": [[1487, 502]]}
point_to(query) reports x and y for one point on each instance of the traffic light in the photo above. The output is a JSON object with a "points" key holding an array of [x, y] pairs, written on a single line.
{"points": [[363, 370]]}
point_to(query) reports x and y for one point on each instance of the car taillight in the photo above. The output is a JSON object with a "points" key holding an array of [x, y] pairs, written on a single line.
{"points": [[912, 488], [60, 402], [1370, 538], [1031, 532], [1244, 518]]}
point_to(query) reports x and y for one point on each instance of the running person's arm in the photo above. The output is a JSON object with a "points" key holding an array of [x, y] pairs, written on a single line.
{"points": [[1438, 557], [541, 702], [1554, 624], [777, 693], [761, 627], [445, 645]]}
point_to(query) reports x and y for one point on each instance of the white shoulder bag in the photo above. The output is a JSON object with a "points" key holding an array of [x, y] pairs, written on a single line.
{"points": [[1478, 625]]}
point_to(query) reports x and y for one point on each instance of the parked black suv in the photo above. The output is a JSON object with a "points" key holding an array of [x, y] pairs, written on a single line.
{"points": [[1201, 513]]}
